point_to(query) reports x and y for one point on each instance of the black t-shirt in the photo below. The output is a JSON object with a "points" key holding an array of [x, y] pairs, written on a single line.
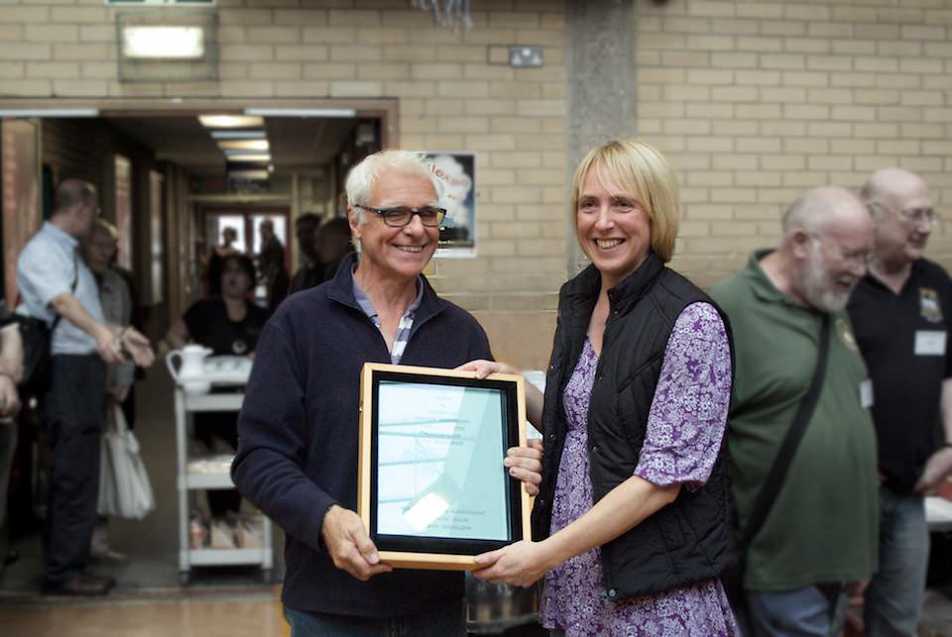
{"points": [[208, 324], [903, 339]]}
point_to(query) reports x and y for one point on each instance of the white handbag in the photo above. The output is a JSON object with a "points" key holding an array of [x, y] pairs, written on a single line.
{"points": [[124, 487]]}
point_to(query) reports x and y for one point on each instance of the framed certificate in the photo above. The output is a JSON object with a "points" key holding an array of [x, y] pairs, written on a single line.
{"points": [[432, 489]]}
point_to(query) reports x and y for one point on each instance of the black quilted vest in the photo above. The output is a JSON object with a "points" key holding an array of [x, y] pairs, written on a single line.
{"points": [[688, 540]]}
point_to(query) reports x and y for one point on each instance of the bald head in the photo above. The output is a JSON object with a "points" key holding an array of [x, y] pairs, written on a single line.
{"points": [[75, 206], [71, 193], [902, 211], [816, 210], [891, 184]]}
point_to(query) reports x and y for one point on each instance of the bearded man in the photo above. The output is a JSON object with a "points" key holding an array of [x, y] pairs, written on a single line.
{"points": [[820, 530]]}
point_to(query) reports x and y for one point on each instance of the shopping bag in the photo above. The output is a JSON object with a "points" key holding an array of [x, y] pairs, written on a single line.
{"points": [[124, 488]]}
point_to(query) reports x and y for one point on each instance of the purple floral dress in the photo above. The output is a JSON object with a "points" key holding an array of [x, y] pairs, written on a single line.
{"points": [[685, 427]]}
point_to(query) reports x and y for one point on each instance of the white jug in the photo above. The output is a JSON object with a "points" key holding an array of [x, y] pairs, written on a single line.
{"points": [[191, 368]]}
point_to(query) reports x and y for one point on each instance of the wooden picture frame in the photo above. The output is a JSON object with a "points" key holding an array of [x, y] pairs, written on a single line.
{"points": [[442, 416]]}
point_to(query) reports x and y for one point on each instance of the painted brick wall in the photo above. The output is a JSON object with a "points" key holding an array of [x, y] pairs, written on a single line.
{"points": [[756, 101]]}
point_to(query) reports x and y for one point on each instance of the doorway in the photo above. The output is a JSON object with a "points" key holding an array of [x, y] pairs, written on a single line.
{"points": [[245, 223], [311, 145]]}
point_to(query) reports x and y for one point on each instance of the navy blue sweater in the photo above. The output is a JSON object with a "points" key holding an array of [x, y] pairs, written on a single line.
{"points": [[297, 449]]}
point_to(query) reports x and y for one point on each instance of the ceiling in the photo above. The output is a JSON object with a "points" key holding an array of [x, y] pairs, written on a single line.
{"points": [[298, 144]]}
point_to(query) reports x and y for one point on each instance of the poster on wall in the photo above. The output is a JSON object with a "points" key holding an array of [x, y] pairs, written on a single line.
{"points": [[456, 174]]}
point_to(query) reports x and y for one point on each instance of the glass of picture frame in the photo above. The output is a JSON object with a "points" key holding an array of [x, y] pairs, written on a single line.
{"points": [[432, 488]]}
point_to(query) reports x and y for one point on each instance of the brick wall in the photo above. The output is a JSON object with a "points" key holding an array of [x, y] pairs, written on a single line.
{"points": [[756, 101]]}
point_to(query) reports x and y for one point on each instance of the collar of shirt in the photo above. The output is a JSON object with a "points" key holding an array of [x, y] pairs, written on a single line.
{"points": [[368, 307], [765, 290], [60, 236]]}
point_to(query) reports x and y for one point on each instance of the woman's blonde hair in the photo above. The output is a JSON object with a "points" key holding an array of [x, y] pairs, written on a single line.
{"points": [[642, 171]]}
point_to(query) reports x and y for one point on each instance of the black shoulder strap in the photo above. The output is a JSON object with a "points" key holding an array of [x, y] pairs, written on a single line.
{"points": [[788, 448], [72, 289]]}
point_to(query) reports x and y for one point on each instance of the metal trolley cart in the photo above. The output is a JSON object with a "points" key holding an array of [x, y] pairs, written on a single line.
{"points": [[186, 404]]}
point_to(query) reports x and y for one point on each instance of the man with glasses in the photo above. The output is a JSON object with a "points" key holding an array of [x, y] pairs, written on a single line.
{"points": [[902, 310], [58, 288], [818, 529], [297, 455]]}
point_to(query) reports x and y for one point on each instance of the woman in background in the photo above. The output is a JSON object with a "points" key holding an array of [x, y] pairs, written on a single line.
{"points": [[229, 325]]}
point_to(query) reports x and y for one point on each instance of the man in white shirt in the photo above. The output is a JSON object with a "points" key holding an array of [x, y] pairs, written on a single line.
{"points": [[57, 287]]}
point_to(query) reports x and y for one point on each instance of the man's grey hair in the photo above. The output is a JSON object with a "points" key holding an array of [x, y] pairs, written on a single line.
{"points": [[805, 213], [362, 177], [813, 209]]}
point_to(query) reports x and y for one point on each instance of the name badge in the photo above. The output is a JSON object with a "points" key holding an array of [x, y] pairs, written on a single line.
{"points": [[866, 394], [930, 343]]}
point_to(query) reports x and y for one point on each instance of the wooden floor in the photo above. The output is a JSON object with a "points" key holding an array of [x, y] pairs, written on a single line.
{"points": [[236, 615]]}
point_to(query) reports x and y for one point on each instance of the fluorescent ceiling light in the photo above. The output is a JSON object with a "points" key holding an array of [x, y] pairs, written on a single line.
{"points": [[231, 152], [163, 42], [238, 134], [230, 121], [49, 112], [251, 157], [302, 112], [248, 174], [243, 144]]}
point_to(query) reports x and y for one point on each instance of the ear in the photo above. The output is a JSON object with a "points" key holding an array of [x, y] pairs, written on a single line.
{"points": [[800, 243], [352, 222]]}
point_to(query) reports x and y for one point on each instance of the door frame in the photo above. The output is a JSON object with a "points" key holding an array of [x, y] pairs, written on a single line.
{"points": [[386, 110]]}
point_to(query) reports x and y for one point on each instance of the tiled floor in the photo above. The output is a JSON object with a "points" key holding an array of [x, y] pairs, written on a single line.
{"points": [[148, 600], [214, 615], [150, 544]]}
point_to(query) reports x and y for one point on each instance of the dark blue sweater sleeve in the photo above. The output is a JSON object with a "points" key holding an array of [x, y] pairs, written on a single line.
{"points": [[479, 346], [272, 442]]}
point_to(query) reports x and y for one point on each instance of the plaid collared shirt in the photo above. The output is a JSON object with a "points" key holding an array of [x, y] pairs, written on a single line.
{"points": [[406, 321]]}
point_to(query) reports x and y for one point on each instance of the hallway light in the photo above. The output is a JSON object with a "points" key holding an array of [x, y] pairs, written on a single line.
{"points": [[248, 174], [163, 42], [238, 134], [230, 121], [262, 158], [243, 144], [302, 112]]}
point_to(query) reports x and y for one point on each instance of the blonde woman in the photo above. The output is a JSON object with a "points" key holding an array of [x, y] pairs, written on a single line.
{"points": [[631, 521]]}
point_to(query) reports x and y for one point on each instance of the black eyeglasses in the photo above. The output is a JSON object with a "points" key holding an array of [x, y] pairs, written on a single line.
{"points": [[400, 216]]}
